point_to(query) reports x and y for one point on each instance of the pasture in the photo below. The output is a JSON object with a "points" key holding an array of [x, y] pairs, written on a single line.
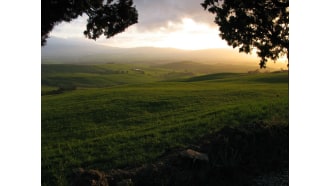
{"points": [[120, 116]]}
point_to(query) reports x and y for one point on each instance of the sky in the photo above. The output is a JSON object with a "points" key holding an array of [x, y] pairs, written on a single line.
{"points": [[180, 24]]}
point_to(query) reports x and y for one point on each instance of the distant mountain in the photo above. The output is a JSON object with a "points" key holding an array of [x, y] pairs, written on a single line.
{"points": [[60, 50]]}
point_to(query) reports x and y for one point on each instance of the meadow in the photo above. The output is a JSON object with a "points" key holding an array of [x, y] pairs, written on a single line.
{"points": [[122, 115]]}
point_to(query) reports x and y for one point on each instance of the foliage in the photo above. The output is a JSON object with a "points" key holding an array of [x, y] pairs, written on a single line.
{"points": [[251, 146], [249, 24], [108, 18]]}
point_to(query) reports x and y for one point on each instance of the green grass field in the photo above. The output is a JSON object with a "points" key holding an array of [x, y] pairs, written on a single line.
{"points": [[118, 116]]}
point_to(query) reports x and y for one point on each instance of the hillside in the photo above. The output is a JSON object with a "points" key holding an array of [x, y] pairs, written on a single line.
{"points": [[70, 51], [127, 125], [73, 76], [76, 76], [202, 68]]}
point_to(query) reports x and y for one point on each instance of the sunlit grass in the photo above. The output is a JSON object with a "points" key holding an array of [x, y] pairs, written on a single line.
{"points": [[134, 123]]}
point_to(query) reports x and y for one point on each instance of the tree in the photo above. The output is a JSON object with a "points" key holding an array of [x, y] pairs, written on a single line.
{"points": [[253, 24], [104, 17]]}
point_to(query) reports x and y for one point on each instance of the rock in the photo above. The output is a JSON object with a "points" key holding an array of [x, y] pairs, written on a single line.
{"points": [[89, 178], [115, 176], [194, 155]]}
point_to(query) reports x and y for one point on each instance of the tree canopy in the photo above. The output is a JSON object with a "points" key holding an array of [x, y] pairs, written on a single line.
{"points": [[104, 17], [253, 24]]}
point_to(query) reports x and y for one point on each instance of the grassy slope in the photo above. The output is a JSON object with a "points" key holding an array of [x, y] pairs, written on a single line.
{"points": [[125, 125], [207, 68], [104, 75]]}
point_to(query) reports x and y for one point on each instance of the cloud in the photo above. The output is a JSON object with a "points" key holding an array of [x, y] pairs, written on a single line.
{"points": [[162, 23], [155, 14], [75, 28], [186, 34]]}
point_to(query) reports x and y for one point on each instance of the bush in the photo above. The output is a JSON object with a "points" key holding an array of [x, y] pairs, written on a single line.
{"points": [[249, 150]]}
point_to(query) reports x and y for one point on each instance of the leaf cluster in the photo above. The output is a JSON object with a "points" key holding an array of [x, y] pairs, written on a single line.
{"points": [[108, 18], [253, 24]]}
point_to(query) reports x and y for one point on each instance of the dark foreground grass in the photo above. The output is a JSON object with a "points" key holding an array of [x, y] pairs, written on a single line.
{"points": [[105, 128]]}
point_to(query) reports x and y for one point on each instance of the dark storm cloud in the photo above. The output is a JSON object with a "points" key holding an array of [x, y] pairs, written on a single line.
{"points": [[156, 13]]}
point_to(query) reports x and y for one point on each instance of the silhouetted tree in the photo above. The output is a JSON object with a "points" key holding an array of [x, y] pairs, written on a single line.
{"points": [[248, 24], [108, 17]]}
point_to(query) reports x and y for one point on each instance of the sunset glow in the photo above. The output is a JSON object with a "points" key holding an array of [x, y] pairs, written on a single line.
{"points": [[187, 34]]}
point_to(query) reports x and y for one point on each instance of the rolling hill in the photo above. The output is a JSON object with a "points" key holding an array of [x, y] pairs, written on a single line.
{"points": [[135, 123], [71, 51]]}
